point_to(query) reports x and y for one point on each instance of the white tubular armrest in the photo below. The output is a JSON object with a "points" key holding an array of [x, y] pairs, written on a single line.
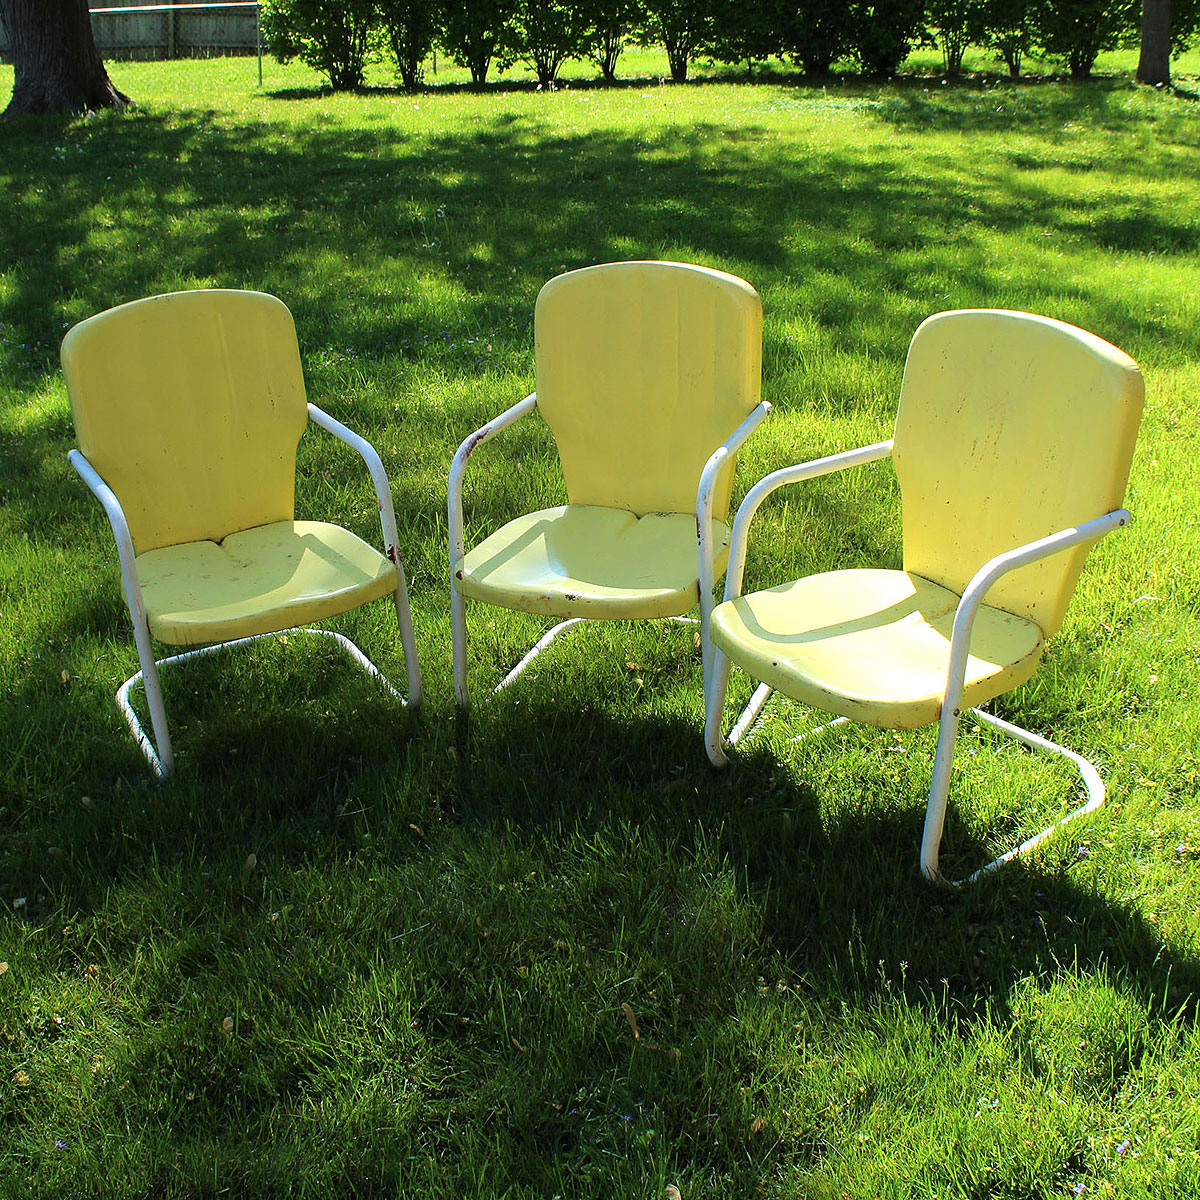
{"points": [[769, 483], [383, 490], [706, 568], [126, 554], [708, 482], [1010, 560], [391, 540], [468, 447]]}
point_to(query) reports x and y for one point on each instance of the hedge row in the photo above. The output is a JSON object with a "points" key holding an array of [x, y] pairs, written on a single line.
{"points": [[336, 37]]}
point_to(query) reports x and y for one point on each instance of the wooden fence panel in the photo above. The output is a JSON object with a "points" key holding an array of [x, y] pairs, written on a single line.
{"points": [[153, 35]]}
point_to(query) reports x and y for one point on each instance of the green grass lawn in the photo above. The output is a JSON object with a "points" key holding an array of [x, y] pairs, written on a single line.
{"points": [[354, 951]]}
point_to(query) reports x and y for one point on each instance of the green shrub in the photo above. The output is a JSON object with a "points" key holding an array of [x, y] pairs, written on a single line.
{"points": [[411, 27], [958, 24], [745, 31], [609, 27], [330, 36], [681, 27], [884, 33], [543, 34], [1008, 28], [815, 33], [1077, 30], [474, 31]]}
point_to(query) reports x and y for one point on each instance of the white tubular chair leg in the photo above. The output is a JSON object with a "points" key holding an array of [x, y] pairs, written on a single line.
{"points": [[812, 733], [454, 518], [715, 742], [750, 713], [714, 709], [707, 649], [706, 565], [407, 640], [545, 640], [550, 635], [746, 721], [718, 664], [412, 666], [162, 759], [458, 641], [935, 813], [960, 641], [939, 788]]}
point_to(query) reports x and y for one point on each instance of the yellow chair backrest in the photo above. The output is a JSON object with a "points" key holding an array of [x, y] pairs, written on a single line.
{"points": [[1010, 427], [190, 406], [643, 370]]}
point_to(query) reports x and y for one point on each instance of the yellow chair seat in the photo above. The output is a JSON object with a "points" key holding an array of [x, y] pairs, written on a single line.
{"points": [[872, 645], [583, 560], [259, 580]]}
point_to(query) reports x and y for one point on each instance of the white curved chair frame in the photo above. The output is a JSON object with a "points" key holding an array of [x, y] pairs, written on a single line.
{"points": [[704, 539], [960, 641], [158, 750]]}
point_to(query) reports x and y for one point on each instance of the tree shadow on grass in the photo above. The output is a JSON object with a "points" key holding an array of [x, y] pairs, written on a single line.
{"points": [[393, 249], [146, 203], [493, 87], [840, 892], [564, 851]]}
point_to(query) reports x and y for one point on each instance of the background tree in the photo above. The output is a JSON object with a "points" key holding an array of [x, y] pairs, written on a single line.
{"points": [[746, 31], [1077, 30], [1007, 27], [1167, 27], [682, 27], [609, 26], [1154, 58], [412, 27], [543, 34], [884, 32], [816, 33], [473, 31], [57, 67], [331, 36], [958, 24]]}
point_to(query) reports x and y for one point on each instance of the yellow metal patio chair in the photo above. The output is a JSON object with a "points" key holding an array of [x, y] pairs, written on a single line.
{"points": [[648, 375], [188, 409], [1012, 447]]}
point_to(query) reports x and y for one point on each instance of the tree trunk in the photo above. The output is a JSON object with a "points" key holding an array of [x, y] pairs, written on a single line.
{"points": [[609, 45], [1154, 61], [57, 66], [478, 63], [677, 59], [1080, 63]]}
